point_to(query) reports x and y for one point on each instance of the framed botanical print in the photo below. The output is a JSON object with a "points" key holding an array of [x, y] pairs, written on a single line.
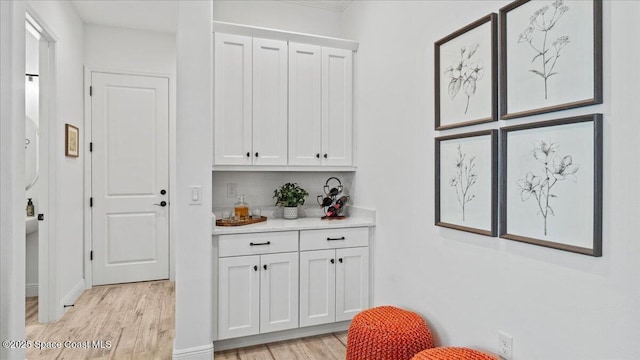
{"points": [[550, 56], [466, 182], [551, 184], [466, 74]]}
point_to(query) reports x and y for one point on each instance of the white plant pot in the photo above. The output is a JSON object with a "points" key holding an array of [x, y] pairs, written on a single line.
{"points": [[291, 212]]}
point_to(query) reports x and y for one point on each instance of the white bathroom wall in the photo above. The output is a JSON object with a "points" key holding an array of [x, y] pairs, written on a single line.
{"points": [[66, 232], [557, 305]]}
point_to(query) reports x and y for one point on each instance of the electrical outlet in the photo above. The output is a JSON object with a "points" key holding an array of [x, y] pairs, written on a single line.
{"points": [[232, 190], [505, 346]]}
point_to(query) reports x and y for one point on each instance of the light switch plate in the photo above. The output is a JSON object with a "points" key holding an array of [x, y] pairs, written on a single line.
{"points": [[196, 195]]}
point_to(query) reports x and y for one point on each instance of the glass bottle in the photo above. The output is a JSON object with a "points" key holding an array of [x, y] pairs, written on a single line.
{"points": [[241, 209]]}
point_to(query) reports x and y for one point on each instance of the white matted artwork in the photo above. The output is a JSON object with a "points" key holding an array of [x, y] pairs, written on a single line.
{"points": [[466, 75], [552, 184], [466, 182], [551, 56]]}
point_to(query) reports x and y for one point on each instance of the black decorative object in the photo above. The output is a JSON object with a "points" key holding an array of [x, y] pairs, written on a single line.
{"points": [[332, 201]]}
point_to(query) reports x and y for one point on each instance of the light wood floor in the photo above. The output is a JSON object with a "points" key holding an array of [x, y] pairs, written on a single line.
{"points": [[138, 320]]}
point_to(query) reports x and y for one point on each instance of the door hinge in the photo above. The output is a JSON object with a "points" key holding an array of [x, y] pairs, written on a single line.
{"points": [[91, 255], [90, 147], [90, 202], [90, 90]]}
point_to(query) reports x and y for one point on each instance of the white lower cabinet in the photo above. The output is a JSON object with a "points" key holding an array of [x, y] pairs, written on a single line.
{"points": [[334, 275], [258, 293], [266, 284]]}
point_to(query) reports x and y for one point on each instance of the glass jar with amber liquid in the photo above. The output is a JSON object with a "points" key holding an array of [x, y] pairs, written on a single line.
{"points": [[241, 209]]}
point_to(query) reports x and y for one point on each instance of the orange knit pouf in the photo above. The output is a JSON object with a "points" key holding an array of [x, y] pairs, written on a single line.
{"points": [[452, 353], [387, 333]]}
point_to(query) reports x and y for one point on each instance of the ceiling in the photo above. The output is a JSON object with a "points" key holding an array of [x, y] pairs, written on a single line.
{"points": [[152, 15], [159, 15]]}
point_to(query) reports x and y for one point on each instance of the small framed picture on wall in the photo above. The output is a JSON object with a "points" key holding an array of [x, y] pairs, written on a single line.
{"points": [[71, 140]]}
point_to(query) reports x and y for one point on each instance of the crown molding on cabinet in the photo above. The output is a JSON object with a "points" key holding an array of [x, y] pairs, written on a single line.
{"points": [[254, 31]]}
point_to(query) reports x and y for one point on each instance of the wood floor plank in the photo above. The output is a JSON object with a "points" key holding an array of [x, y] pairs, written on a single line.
{"points": [[259, 352], [315, 348], [227, 355], [342, 336], [288, 350]]}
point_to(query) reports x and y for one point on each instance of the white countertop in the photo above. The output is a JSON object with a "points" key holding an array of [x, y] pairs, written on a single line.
{"points": [[358, 218]]}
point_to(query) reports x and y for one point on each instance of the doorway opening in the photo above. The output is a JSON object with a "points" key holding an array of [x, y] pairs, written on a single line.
{"points": [[39, 167]]}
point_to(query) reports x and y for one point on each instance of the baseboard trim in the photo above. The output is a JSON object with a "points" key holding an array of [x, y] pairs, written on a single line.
{"points": [[204, 352], [72, 295], [31, 290], [280, 336]]}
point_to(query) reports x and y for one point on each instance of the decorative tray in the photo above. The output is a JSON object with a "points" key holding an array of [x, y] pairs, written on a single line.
{"points": [[232, 222]]}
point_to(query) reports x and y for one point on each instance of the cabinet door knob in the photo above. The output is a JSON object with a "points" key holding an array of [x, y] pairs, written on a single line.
{"points": [[326, 155], [248, 154], [256, 154], [340, 260], [255, 267], [333, 261], [318, 155], [265, 266]]}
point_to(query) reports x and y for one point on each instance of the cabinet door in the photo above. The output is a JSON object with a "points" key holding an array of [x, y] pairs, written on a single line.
{"points": [[238, 296], [269, 102], [317, 287], [232, 100], [337, 116], [305, 93], [352, 282], [279, 292]]}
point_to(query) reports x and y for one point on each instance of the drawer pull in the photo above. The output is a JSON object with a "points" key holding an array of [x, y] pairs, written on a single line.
{"points": [[260, 244], [335, 239]]}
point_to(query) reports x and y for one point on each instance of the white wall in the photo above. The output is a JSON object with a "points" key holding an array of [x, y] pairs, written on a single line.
{"points": [[144, 52], [66, 230], [279, 15], [194, 145], [555, 304], [12, 248]]}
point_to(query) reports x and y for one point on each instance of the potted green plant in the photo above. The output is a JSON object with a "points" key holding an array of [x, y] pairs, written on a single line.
{"points": [[289, 196]]}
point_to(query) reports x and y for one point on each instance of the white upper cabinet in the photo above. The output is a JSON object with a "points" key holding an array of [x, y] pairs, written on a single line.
{"points": [[232, 100], [320, 106], [337, 97], [269, 102], [281, 104], [305, 98]]}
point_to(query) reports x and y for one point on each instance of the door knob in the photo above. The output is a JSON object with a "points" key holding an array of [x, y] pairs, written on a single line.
{"points": [[162, 203]]}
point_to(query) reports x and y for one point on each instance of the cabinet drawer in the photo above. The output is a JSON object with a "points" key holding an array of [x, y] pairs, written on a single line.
{"points": [[258, 243], [333, 238]]}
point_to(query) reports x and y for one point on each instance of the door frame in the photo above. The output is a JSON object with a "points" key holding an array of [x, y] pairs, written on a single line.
{"points": [[88, 190], [49, 309]]}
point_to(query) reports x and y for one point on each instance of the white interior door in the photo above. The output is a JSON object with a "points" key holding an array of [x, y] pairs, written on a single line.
{"points": [[130, 178]]}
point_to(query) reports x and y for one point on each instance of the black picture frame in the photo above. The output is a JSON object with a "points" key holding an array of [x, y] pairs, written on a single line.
{"points": [[490, 63], [542, 73], [559, 165], [490, 170]]}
